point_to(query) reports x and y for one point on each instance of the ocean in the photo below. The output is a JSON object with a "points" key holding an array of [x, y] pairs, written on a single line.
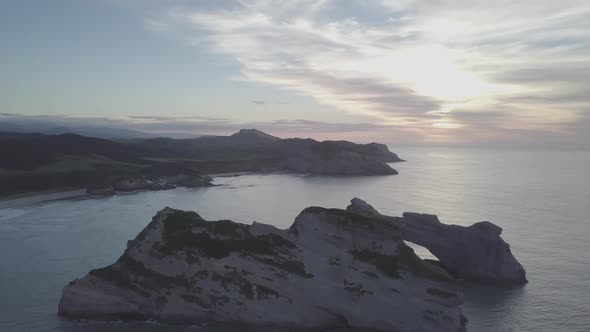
{"points": [[540, 198]]}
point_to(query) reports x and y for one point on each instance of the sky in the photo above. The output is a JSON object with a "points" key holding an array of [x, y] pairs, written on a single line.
{"points": [[425, 72]]}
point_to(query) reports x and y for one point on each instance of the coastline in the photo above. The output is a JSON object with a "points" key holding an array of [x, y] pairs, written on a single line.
{"points": [[236, 174], [31, 198], [35, 197], [229, 174]]}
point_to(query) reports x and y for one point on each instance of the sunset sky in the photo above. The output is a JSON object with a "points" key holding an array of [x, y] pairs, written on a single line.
{"points": [[456, 72]]}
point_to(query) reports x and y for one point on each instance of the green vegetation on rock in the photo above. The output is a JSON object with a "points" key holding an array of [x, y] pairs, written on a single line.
{"points": [[125, 271], [181, 232], [178, 235], [441, 293], [288, 265]]}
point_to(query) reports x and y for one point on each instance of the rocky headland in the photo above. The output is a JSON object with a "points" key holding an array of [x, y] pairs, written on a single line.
{"points": [[331, 269], [255, 151]]}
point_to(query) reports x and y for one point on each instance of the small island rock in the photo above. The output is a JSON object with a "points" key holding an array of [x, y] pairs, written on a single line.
{"points": [[331, 269]]}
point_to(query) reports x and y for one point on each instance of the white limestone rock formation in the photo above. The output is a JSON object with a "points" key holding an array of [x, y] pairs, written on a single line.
{"points": [[474, 253], [331, 269]]}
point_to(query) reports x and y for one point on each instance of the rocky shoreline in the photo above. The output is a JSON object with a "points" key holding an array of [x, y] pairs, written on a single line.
{"points": [[133, 184]]}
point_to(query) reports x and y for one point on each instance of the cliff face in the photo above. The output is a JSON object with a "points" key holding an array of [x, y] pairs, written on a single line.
{"points": [[330, 269], [345, 163], [475, 253], [336, 157]]}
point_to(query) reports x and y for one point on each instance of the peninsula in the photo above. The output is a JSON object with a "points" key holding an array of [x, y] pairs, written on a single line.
{"points": [[37, 162]]}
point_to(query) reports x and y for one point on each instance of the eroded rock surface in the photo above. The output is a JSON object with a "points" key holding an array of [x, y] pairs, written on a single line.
{"points": [[330, 269], [475, 253]]}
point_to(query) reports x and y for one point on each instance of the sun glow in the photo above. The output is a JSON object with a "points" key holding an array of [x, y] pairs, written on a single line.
{"points": [[430, 70], [446, 125], [436, 72]]}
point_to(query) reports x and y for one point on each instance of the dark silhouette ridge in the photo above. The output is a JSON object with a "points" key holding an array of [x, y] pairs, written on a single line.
{"points": [[34, 162]]}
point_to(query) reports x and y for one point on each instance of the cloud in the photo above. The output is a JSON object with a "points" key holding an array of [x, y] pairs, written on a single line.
{"points": [[448, 64], [174, 118], [373, 97], [269, 102], [285, 49], [485, 133]]}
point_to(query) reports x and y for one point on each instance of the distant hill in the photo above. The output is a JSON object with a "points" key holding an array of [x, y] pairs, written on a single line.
{"points": [[38, 162], [249, 144], [51, 128], [29, 151], [251, 136]]}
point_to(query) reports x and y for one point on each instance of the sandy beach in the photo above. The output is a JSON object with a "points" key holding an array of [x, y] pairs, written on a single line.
{"points": [[38, 197]]}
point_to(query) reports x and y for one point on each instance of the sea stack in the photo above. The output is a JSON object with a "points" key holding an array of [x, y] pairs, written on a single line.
{"points": [[475, 253], [331, 269]]}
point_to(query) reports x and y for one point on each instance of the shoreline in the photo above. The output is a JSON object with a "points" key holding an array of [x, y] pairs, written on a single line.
{"points": [[31, 198], [35, 197], [237, 174], [230, 174]]}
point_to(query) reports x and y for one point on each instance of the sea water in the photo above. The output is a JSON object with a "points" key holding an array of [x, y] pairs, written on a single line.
{"points": [[540, 198]]}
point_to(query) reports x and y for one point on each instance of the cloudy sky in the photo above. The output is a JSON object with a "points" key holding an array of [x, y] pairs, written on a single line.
{"points": [[460, 72]]}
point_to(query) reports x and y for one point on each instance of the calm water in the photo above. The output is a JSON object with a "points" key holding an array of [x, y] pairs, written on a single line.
{"points": [[540, 198]]}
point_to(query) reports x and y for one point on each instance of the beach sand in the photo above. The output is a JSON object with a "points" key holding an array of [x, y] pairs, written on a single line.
{"points": [[38, 197]]}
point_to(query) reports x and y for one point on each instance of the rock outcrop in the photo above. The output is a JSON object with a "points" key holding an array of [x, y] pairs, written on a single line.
{"points": [[331, 269], [474, 253]]}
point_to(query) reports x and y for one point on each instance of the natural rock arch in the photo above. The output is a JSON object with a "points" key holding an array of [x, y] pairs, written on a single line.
{"points": [[476, 252]]}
